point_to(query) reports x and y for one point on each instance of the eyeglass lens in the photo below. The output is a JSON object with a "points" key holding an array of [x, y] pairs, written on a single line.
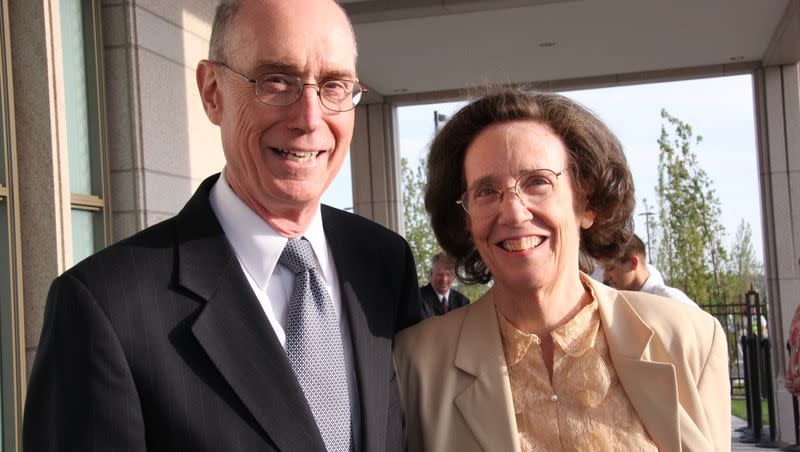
{"points": [[530, 187], [281, 90]]}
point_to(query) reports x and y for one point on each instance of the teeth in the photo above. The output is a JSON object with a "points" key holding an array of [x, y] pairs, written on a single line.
{"points": [[522, 244], [298, 156]]}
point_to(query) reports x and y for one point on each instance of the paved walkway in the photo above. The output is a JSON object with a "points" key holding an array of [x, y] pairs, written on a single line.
{"points": [[737, 446]]}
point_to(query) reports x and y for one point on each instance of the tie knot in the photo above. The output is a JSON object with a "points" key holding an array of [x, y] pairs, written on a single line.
{"points": [[298, 256]]}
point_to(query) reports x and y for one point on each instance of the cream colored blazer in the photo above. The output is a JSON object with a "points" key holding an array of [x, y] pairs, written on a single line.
{"points": [[671, 359]]}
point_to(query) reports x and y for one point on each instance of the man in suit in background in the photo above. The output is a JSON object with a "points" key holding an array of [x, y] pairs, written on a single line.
{"points": [[438, 297], [255, 319], [632, 272]]}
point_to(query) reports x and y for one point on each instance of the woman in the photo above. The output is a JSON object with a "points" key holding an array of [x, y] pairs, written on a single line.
{"points": [[549, 359]]}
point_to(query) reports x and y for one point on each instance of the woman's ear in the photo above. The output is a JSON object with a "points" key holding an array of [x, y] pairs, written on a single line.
{"points": [[587, 219]]}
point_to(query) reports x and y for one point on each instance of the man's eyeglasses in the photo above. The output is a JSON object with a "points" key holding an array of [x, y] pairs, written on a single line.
{"points": [[281, 90], [530, 187]]}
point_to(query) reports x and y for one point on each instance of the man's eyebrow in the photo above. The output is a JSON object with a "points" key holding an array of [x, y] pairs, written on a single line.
{"points": [[270, 66]]}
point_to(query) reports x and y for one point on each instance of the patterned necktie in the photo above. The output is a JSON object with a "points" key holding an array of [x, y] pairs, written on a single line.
{"points": [[314, 347], [445, 306]]}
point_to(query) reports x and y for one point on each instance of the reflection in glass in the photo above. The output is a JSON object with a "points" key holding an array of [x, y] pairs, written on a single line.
{"points": [[87, 233], [75, 95]]}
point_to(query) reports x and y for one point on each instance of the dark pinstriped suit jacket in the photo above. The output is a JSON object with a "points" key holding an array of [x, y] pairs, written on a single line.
{"points": [[158, 343]]}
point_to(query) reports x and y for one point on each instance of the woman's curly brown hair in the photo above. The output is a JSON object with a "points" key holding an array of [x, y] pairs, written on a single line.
{"points": [[596, 162]]}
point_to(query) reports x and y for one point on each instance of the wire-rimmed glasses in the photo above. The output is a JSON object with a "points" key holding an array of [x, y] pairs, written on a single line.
{"points": [[281, 90], [485, 200]]}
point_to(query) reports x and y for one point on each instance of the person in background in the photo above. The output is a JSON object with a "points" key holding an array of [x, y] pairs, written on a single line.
{"points": [[256, 319], [547, 358], [438, 296], [630, 271]]}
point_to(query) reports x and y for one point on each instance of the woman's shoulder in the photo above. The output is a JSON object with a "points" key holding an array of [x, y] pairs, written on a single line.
{"points": [[684, 327], [434, 333]]}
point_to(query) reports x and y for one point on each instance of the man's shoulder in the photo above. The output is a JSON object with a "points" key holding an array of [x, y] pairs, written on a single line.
{"points": [[362, 236], [673, 293], [437, 335], [354, 223], [159, 239]]}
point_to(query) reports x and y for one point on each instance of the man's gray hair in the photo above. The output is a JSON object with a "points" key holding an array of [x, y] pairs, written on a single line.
{"points": [[223, 19]]}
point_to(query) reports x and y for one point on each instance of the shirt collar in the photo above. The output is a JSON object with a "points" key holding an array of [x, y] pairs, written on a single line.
{"points": [[257, 245]]}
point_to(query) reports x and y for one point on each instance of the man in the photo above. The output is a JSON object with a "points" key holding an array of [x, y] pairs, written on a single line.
{"points": [[631, 272], [213, 330], [438, 297]]}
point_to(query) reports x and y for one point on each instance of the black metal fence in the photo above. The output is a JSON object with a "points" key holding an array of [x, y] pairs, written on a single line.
{"points": [[737, 324], [745, 323]]}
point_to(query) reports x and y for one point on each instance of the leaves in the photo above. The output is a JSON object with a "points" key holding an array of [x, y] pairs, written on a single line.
{"points": [[689, 248]]}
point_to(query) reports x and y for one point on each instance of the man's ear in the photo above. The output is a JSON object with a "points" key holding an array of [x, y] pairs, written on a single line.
{"points": [[209, 87], [634, 261]]}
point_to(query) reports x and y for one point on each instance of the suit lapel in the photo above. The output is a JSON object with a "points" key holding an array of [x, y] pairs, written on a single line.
{"points": [[234, 331], [371, 330], [650, 386], [486, 405]]}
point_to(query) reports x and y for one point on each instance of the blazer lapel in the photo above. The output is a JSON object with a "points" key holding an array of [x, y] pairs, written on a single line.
{"points": [[371, 331], [234, 331], [486, 405], [650, 386]]}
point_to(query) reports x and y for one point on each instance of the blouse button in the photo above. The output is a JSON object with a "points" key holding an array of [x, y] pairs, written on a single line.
{"points": [[554, 398]]}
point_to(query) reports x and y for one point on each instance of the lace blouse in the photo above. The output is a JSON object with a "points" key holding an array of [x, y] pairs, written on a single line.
{"points": [[585, 408]]}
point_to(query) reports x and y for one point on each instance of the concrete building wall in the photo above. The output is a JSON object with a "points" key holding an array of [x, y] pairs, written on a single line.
{"points": [[777, 91], [162, 144]]}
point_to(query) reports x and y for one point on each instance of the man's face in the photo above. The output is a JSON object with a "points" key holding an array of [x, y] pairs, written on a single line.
{"points": [[619, 274], [441, 277], [281, 159]]}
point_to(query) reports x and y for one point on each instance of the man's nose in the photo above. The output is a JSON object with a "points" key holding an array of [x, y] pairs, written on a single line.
{"points": [[307, 110]]}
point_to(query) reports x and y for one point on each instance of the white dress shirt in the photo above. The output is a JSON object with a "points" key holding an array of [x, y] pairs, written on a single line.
{"points": [[258, 248], [656, 286]]}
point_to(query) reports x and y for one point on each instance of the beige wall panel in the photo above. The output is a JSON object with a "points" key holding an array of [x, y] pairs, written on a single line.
{"points": [[791, 88], [195, 16], [169, 40], [156, 217], [360, 164], [794, 193], [177, 136], [166, 194], [125, 191], [782, 206], [790, 291], [115, 26], [377, 151], [164, 119], [126, 224], [120, 108], [775, 119]]}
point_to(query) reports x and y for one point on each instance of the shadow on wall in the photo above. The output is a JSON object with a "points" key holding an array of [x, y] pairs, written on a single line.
{"points": [[161, 145]]}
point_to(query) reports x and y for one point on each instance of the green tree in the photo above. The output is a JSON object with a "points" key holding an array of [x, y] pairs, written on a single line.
{"points": [[689, 252], [415, 219], [417, 226], [744, 269]]}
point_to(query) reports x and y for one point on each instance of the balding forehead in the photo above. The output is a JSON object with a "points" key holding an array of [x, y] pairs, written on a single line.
{"points": [[286, 10]]}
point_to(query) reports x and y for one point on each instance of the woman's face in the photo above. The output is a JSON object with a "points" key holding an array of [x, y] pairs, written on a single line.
{"points": [[525, 246]]}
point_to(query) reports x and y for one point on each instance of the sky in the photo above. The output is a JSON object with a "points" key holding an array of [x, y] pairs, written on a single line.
{"points": [[718, 109]]}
